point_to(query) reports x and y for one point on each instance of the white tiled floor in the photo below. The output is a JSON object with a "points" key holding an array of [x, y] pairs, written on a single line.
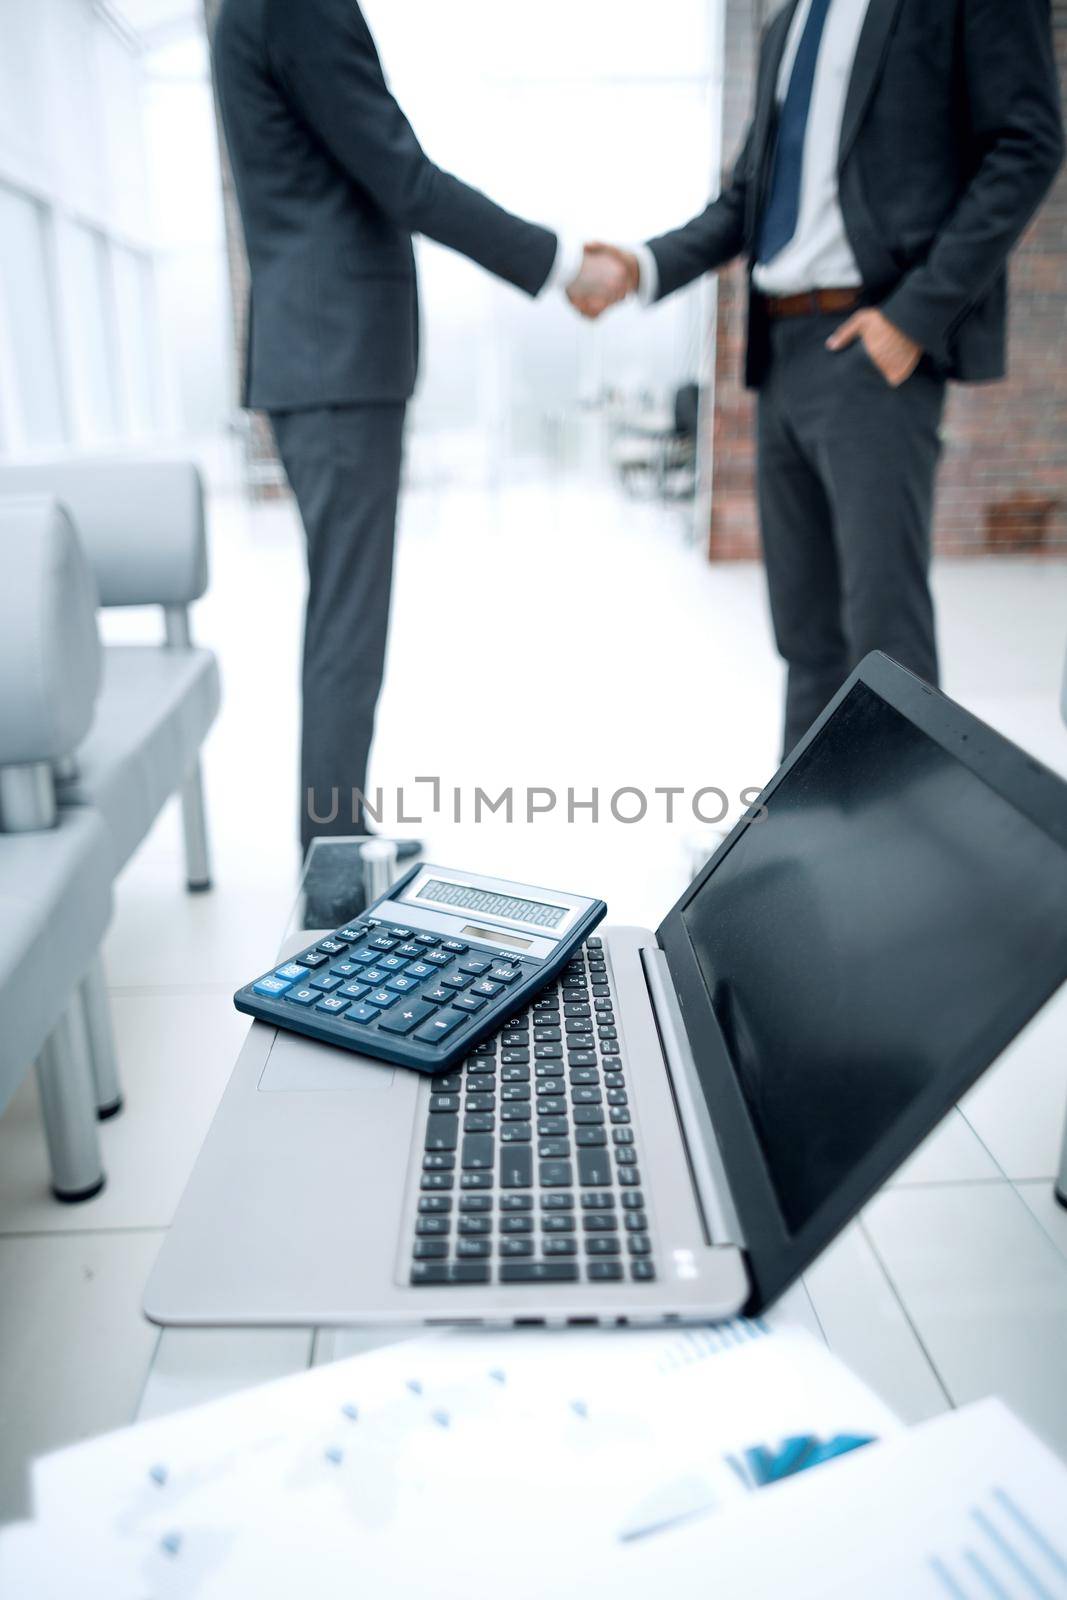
{"points": [[658, 671]]}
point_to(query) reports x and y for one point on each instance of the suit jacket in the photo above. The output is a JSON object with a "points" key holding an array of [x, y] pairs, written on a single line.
{"points": [[952, 136], [332, 183]]}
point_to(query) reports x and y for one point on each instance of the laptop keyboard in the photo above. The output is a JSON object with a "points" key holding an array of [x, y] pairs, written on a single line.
{"points": [[530, 1171]]}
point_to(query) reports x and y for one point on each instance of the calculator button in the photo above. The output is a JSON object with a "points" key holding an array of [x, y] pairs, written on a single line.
{"points": [[420, 970], [409, 951], [350, 935], [382, 998], [468, 1002], [364, 957], [398, 933], [362, 1013], [313, 958], [455, 980], [374, 976], [302, 996], [345, 969], [437, 959], [333, 1003], [291, 972], [382, 941], [333, 947], [455, 946], [405, 1018], [487, 990], [504, 974], [441, 1026], [273, 987], [426, 939], [437, 996], [393, 963], [354, 991], [326, 984], [402, 984], [473, 966]]}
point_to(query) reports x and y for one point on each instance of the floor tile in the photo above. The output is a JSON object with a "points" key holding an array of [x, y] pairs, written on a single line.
{"points": [[75, 1346], [986, 1291], [176, 1052]]}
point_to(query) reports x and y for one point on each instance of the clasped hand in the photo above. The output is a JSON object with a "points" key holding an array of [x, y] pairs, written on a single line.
{"points": [[608, 275]]}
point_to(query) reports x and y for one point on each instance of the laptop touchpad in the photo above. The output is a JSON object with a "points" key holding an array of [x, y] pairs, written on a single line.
{"points": [[301, 1066]]}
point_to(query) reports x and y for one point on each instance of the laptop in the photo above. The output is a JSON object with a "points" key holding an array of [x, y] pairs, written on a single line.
{"points": [[864, 943]]}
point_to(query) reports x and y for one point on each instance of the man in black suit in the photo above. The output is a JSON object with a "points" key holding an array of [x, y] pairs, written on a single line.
{"points": [[897, 151], [332, 183]]}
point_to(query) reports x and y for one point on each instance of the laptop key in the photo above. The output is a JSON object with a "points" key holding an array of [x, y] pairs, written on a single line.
{"points": [[479, 1122], [436, 1180], [522, 1223], [432, 1226], [634, 1201], [444, 1102], [600, 1222], [470, 1249], [429, 1203], [425, 1272], [558, 1174], [641, 1271], [516, 1202], [438, 1161], [476, 1180], [604, 1271], [475, 1202], [601, 1245], [516, 1133], [636, 1221], [475, 1224], [586, 1137], [629, 1175], [516, 1247], [477, 1153], [516, 1166], [598, 1202], [557, 1202], [468, 1272], [594, 1169], [554, 1149], [430, 1249], [557, 1221], [538, 1272], [640, 1244], [560, 1247], [442, 1132]]}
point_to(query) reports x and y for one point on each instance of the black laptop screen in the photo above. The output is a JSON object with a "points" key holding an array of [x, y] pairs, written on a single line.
{"points": [[866, 936]]}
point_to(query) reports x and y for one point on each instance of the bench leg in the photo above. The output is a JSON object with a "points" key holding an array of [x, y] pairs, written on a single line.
{"points": [[65, 1082], [102, 1054], [194, 823]]}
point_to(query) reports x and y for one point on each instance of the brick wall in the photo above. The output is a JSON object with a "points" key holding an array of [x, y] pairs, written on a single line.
{"points": [[1003, 481]]}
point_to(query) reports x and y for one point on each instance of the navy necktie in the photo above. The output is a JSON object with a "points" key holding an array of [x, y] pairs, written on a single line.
{"points": [[782, 210]]}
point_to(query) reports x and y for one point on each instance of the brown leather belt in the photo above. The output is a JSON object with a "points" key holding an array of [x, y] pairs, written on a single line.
{"points": [[815, 303]]}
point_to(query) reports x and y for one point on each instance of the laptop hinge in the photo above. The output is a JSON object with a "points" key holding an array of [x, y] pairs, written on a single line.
{"points": [[702, 1146]]}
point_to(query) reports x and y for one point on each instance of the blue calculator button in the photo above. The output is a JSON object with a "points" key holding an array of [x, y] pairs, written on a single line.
{"points": [[332, 1003], [402, 984], [303, 996], [364, 957], [326, 984], [382, 941], [355, 991], [439, 995], [382, 998], [291, 972], [420, 970], [455, 946], [272, 987], [393, 963], [441, 1026], [345, 969], [373, 976], [474, 967], [468, 1002], [405, 1018], [410, 951], [362, 1013]]}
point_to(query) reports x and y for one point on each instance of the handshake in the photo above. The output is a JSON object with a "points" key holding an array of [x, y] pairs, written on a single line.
{"points": [[608, 275]]}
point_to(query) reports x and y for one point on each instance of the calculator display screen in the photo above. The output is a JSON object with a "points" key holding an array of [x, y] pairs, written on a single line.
{"points": [[489, 903]]}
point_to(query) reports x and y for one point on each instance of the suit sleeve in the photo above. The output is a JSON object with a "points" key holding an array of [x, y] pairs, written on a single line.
{"points": [[710, 240], [326, 59], [1017, 131]]}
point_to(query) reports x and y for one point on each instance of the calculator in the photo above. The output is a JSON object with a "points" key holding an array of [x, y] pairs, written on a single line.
{"points": [[438, 964]]}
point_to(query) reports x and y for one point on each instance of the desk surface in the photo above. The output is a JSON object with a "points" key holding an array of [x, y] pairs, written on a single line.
{"points": [[948, 1288]]}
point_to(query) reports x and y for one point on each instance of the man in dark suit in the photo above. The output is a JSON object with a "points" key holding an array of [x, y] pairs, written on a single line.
{"points": [[897, 151], [332, 183]]}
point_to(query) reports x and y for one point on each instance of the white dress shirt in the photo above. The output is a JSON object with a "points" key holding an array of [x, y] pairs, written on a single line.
{"points": [[819, 255]]}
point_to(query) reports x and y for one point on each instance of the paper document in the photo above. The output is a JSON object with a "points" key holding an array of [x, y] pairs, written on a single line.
{"points": [[435, 1465]]}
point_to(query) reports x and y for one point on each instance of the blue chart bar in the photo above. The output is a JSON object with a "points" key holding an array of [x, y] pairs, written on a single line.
{"points": [[1008, 1557]]}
